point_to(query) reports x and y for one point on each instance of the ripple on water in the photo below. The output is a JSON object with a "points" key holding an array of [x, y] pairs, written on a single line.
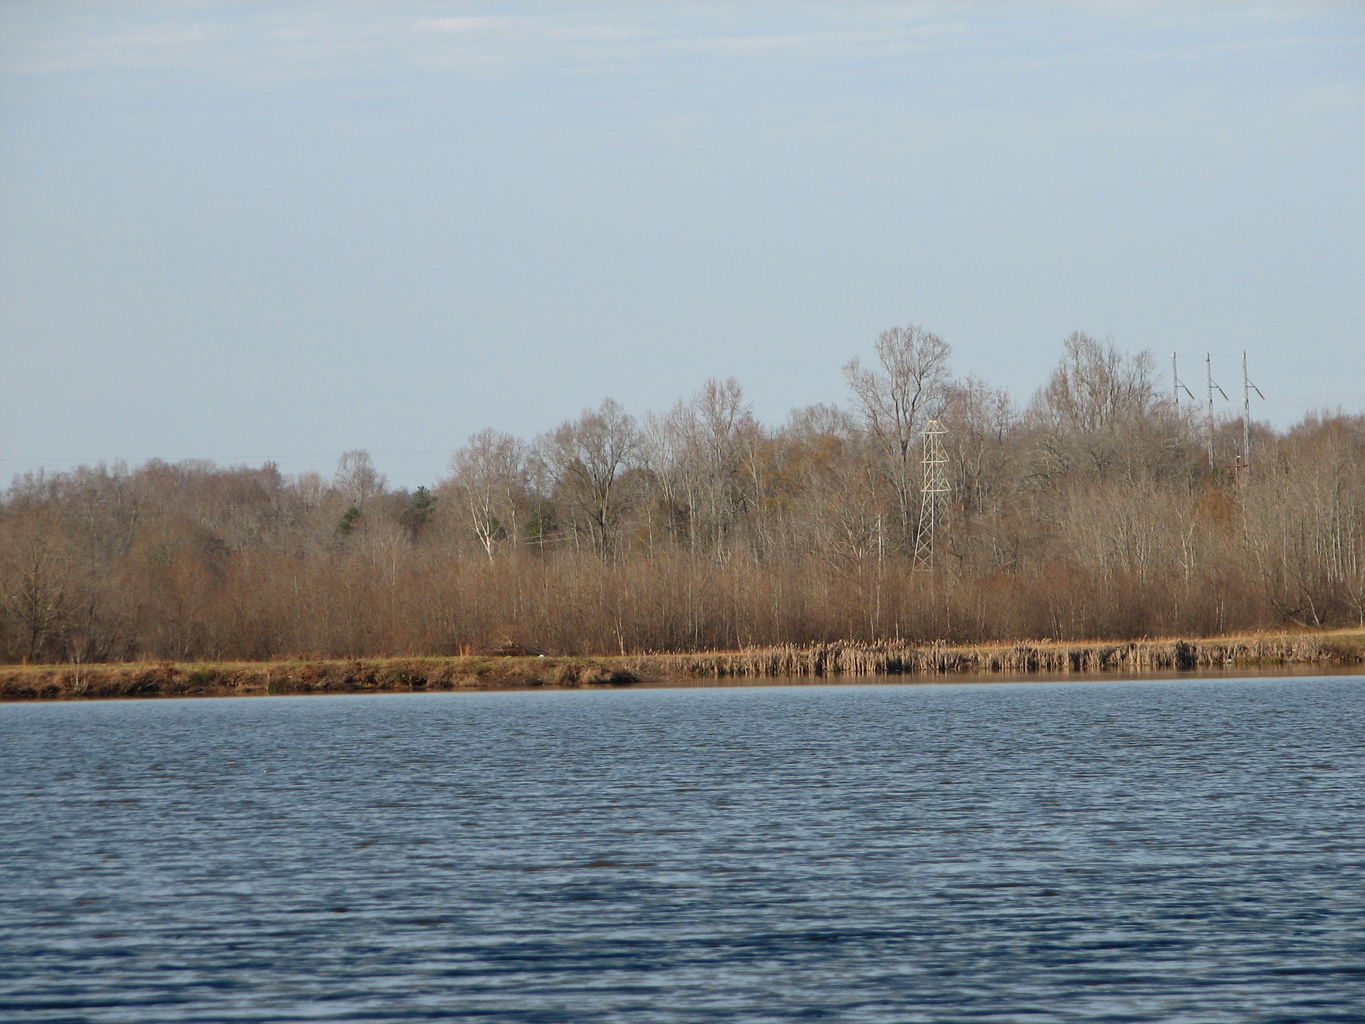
{"points": [[1077, 852]]}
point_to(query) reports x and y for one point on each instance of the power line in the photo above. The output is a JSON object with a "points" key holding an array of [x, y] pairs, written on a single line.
{"points": [[1315, 401]]}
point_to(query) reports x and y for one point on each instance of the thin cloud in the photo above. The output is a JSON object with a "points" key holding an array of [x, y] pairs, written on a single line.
{"points": [[465, 26], [146, 46], [744, 45], [340, 39], [346, 39], [826, 44]]}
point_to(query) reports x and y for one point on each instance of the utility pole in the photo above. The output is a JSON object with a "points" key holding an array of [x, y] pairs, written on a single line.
{"points": [[1247, 389], [1210, 385], [933, 507], [1177, 385]]}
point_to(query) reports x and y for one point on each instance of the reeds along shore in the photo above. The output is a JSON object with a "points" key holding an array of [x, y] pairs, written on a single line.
{"points": [[818, 661], [894, 658]]}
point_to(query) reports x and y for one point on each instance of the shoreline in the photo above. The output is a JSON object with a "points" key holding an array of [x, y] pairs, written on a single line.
{"points": [[937, 662]]}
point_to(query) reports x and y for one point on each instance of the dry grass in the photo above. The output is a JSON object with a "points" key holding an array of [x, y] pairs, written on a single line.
{"points": [[1044, 656], [168, 679]]}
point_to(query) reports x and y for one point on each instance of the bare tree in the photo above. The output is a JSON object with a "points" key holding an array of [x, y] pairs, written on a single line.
{"points": [[980, 418], [698, 455], [896, 398], [1098, 403], [1304, 521], [587, 459], [356, 478], [782, 536], [356, 481], [35, 580], [489, 475], [1096, 386]]}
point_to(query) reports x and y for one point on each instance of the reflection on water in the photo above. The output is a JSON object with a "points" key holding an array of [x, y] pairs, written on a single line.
{"points": [[1014, 852]]}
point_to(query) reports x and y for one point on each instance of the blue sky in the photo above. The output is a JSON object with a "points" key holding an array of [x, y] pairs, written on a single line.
{"points": [[243, 231]]}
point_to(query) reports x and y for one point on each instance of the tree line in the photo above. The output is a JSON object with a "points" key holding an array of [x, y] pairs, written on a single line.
{"points": [[1089, 511]]}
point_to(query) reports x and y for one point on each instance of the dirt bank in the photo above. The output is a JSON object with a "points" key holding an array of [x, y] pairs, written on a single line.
{"points": [[231, 679]]}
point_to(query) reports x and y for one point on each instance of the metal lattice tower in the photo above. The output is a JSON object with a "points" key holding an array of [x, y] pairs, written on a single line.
{"points": [[933, 507]]}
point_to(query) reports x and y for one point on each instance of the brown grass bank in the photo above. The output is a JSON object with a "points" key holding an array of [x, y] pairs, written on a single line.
{"points": [[1043, 657], [232, 679], [168, 679]]}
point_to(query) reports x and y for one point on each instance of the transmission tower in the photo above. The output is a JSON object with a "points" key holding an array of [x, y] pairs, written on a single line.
{"points": [[933, 506]]}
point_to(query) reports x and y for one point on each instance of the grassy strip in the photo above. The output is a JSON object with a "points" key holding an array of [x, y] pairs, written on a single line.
{"points": [[1050, 657], [168, 679], [221, 679]]}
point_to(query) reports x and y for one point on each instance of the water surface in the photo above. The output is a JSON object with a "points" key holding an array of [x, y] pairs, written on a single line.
{"points": [[1183, 851]]}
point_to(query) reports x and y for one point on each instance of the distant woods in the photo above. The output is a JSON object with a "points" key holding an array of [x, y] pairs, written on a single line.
{"points": [[1090, 511]]}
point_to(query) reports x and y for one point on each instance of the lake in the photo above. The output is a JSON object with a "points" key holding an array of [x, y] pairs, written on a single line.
{"points": [[1084, 851]]}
